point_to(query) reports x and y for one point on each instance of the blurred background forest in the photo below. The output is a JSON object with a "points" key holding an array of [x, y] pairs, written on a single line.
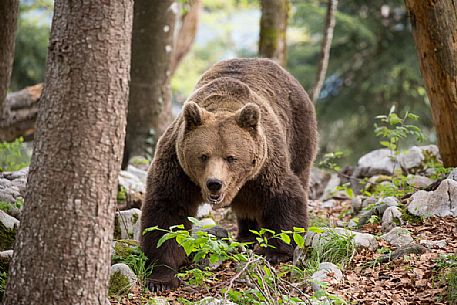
{"points": [[372, 66]]}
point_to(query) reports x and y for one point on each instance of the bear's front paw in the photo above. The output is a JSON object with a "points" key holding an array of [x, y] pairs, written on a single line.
{"points": [[155, 285], [277, 257]]}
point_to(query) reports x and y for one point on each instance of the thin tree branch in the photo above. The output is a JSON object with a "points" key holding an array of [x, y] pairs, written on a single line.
{"points": [[325, 49]]}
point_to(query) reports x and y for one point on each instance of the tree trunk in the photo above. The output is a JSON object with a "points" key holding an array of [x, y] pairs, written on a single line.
{"points": [[63, 246], [434, 26], [183, 41], [273, 26], [186, 33], [8, 22], [152, 46], [325, 49], [20, 112]]}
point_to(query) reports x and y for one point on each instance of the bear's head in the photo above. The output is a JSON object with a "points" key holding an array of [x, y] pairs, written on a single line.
{"points": [[220, 151]]}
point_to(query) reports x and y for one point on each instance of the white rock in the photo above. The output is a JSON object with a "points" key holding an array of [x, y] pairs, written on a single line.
{"points": [[328, 272], [139, 173], [376, 162], [410, 159], [330, 188], [434, 243], [8, 221], [356, 204], [419, 181], [124, 270], [453, 175], [441, 202], [158, 301], [389, 201], [398, 237], [8, 254], [17, 174], [213, 301], [131, 182], [361, 240], [391, 218], [317, 182], [328, 204], [127, 224]]}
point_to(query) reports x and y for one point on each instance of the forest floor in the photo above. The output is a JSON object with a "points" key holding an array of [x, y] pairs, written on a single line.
{"points": [[410, 279]]}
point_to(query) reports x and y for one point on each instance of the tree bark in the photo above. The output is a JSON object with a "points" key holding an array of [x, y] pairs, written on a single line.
{"points": [[183, 41], [152, 49], [273, 26], [325, 49], [20, 113], [186, 33], [63, 246], [434, 26], [8, 22]]}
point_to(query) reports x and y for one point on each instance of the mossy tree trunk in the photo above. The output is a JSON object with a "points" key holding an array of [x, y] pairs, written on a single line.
{"points": [[63, 246], [152, 49], [8, 21], [434, 26], [273, 26]]}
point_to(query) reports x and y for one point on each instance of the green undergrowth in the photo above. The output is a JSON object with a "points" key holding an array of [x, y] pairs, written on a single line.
{"points": [[392, 129], [268, 284], [3, 277], [7, 206], [13, 156], [446, 265], [129, 253]]}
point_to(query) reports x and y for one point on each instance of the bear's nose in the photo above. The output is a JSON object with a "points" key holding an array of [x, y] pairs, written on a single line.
{"points": [[214, 184]]}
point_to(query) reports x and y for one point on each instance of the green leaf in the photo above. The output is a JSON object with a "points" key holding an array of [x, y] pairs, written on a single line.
{"points": [[180, 226], [165, 237], [150, 229], [299, 230], [299, 240], [316, 230], [193, 220], [285, 238], [394, 119], [214, 258]]}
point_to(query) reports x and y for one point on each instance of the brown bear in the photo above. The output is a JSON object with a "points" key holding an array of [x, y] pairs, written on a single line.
{"points": [[246, 137]]}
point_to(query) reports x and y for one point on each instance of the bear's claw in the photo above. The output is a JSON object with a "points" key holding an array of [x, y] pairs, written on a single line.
{"points": [[160, 286]]}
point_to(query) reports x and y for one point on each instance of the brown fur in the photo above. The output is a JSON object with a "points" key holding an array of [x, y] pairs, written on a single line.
{"points": [[249, 125]]}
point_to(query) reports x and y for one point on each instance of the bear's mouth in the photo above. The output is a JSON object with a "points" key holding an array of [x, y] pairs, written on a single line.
{"points": [[216, 198]]}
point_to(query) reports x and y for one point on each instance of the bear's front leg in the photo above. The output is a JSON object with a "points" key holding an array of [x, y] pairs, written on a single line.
{"points": [[167, 259], [170, 199], [285, 207]]}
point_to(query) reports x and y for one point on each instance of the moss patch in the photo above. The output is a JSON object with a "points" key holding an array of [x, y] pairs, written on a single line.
{"points": [[7, 237], [118, 284]]}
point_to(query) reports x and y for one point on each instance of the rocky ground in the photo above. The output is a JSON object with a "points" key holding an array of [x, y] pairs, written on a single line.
{"points": [[400, 214]]}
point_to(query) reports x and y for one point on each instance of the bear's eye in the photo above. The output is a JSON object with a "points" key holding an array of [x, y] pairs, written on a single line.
{"points": [[204, 157], [230, 159]]}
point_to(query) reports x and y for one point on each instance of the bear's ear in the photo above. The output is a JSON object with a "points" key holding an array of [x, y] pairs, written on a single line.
{"points": [[193, 115], [248, 116]]}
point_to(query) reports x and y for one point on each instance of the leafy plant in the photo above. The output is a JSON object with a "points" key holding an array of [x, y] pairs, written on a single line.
{"points": [[268, 284], [197, 276], [7, 206], [394, 128], [447, 264], [136, 260], [329, 161], [12, 156], [121, 193], [3, 277], [334, 247]]}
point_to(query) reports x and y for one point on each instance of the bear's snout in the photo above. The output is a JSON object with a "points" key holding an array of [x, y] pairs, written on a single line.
{"points": [[214, 185]]}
